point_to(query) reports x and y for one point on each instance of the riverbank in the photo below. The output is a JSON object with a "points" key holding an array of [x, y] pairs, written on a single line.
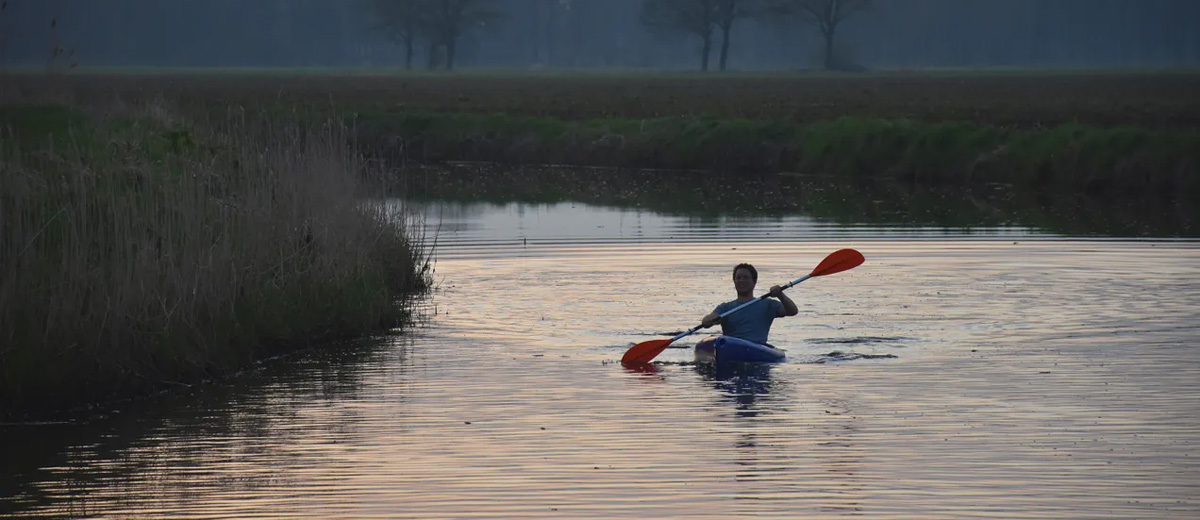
{"points": [[144, 250], [1067, 159]]}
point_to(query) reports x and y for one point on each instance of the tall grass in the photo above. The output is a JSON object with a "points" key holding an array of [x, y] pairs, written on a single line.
{"points": [[139, 249]]}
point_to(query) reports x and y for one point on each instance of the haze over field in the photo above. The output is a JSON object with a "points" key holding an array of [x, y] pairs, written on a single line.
{"points": [[652, 34]]}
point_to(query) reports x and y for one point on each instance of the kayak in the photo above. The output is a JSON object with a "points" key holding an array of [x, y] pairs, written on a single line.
{"points": [[728, 349]]}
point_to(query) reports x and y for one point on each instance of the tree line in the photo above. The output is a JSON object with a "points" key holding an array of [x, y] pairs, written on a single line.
{"points": [[691, 34], [440, 23], [709, 19]]}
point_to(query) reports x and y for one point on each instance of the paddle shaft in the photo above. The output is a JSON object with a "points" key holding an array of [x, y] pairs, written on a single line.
{"points": [[742, 306]]}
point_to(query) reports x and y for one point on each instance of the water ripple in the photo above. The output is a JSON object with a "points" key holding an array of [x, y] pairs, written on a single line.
{"points": [[945, 378]]}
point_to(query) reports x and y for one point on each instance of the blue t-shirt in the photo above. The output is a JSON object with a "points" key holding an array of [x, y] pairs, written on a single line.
{"points": [[752, 323]]}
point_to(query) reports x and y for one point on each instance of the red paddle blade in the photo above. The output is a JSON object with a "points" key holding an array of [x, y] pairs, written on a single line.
{"points": [[645, 351], [838, 261]]}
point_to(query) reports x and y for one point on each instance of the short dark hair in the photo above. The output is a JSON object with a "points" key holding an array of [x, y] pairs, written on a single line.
{"points": [[748, 267]]}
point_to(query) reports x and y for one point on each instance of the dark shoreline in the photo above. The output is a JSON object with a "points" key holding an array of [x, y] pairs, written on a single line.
{"points": [[1069, 159]]}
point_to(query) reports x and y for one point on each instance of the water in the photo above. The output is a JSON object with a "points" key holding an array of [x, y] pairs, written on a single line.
{"points": [[992, 373]]}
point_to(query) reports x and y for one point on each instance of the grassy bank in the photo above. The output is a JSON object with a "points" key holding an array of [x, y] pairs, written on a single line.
{"points": [[1072, 132], [142, 250], [1068, 158]]}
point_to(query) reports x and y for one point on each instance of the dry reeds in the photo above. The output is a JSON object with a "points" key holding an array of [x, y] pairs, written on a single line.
{"points": [[138, 249]]}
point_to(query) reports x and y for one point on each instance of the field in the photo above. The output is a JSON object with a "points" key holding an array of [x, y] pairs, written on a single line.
{"points": [[1023, 99], [1071, 131]]}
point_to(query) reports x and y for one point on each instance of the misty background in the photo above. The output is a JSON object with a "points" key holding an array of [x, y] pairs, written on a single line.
{"points": [[532, 34]]}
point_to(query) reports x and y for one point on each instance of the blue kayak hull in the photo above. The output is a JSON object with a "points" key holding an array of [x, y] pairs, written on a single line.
{"points": [[726, 349]]}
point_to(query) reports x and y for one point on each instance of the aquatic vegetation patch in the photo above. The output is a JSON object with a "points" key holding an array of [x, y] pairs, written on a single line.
{"points": [[141, 250]]}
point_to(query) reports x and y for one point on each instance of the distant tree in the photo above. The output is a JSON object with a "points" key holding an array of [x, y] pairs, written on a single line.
{"points": [[439, 22], [695, 17], [545, 16], [402, 21], [728, 12], [699, 18], [3, 37], [826, 15], [448, 20]]}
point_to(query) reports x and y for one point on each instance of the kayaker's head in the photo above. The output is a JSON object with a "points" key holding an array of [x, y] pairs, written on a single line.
{"points": [[745, 276]]}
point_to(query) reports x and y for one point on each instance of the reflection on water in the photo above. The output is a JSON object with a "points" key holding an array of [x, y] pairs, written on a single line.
{"points": [[190, 438], [743, 383], [996, 373], [872, 203], [767, 458]]}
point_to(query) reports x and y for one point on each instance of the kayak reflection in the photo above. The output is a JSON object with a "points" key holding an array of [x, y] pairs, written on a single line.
{"points": [[743, 383]]}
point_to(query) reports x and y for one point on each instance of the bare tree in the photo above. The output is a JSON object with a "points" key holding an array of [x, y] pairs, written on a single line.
{"points": [[439, 22], [3, 37], [450, 19], [728, 12], [700, 18], [545, 15], [401, 22], [827, 15], [696, 17]]}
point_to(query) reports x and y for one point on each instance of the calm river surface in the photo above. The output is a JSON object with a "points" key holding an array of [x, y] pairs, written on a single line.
{"points": [[1000, 373]]}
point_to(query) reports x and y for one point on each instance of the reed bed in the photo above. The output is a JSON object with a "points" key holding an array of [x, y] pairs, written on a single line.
{"points": [[141, 250]]}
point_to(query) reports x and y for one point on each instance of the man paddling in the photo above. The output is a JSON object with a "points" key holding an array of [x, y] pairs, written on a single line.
{"points": [[752, 323], [836, 262]]}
